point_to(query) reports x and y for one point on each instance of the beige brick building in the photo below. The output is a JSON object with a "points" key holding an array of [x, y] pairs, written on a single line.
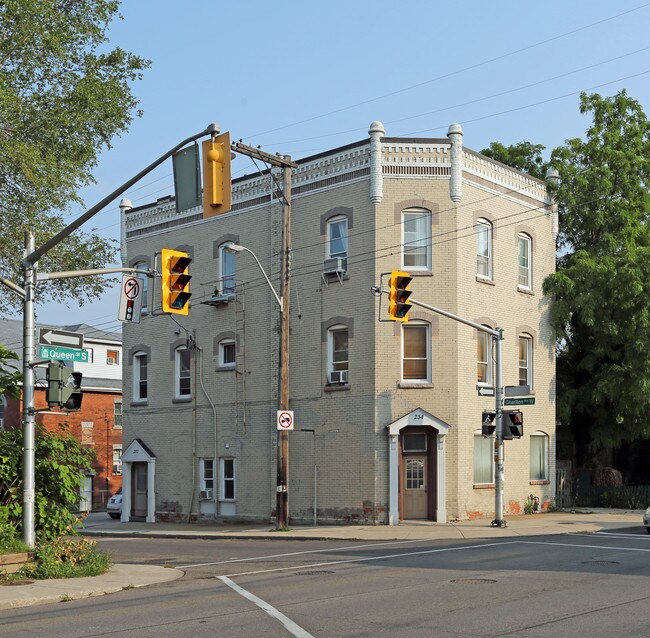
{"points": [[387, 415]]}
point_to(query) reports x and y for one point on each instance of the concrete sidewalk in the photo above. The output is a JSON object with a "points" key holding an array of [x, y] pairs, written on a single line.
{"points": [[127, 576]]}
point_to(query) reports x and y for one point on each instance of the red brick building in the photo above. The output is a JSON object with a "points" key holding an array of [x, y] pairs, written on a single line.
{"points": [[98, 425]]}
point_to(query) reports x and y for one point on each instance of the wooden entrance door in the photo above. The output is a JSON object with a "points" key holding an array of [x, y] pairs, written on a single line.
{"points": [[139, 490], [415, 487]]}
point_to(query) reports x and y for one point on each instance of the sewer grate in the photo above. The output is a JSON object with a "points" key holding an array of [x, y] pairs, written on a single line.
{"points": [[600, 562], [321, 572], [473, 581], [12, 583]]}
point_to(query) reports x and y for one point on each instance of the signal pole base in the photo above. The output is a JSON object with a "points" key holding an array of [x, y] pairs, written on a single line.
{"points": [[499, 523]]}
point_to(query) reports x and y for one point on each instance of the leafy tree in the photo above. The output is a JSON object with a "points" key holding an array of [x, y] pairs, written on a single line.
{"points": [[60, 464], [524, 156], [63, 96], [9, 373], [601, 290]]}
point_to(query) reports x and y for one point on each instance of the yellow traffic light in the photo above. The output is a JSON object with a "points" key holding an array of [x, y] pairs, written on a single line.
{"points": [[216, 175], [398, 296], [175, 281]]}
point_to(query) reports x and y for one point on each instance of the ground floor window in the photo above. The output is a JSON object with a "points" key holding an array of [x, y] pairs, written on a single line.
{"points": [[538, 456], [227, 472], [483, 459]]}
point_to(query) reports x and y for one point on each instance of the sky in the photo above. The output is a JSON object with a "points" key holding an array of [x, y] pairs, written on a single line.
{"points": [[302, 77]]}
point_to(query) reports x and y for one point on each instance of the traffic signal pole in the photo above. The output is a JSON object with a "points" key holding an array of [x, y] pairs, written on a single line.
{"points": [[497, 338], [27, 293]]}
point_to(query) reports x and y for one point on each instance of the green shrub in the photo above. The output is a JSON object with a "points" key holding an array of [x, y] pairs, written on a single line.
{"points": [[9, 540], [620, 498], [68, 557]]}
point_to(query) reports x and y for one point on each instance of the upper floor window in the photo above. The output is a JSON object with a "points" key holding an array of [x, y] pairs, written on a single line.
{"points": [[416, 239], [182, 376], [337, 237], [144, 281], [226, 284], [538, 456], [117, 414], [483, 358], [484, 249], [483, 459], [117, 459], [337, 354], [140, 376], [526, 360], [416, 346], [112, 357], [227, 353], [524, 259]]}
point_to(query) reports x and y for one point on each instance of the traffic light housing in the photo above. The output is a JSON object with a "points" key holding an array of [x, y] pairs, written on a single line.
{"points": [[175, 281], [63, 387], [216, 175], [514, 423], [488, 426], [398, 296]]}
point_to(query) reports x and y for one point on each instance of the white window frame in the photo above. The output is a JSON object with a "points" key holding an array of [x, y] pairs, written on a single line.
{"points": [[144, 283], [340, 364], [227, 271], [118, 415], [117, 460], [539, 441], [223, 347], [484, 342], [3, 410], [483, 446], [524, 261], [140, 362], [416, 244], [415, 325], [337, 222], [525, 364], [224, 480], [112, 357], [484, 250], [182, 372], [207, 477]]}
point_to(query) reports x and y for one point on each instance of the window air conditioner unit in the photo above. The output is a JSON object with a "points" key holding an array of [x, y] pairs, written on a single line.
{"points": [[335, 266], [206, 495], [339, 376], [117, 469]]}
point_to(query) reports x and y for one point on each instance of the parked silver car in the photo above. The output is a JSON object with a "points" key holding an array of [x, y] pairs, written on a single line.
{"points": [[114, 506]]}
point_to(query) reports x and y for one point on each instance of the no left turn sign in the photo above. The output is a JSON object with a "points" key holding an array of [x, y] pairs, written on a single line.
{"points": [[285, 419]]}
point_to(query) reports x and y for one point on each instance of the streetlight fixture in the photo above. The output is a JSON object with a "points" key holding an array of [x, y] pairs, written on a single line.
{"points": [[282, 502]]}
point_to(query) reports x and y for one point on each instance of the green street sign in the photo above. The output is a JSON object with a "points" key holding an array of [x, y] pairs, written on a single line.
{"points": [[520, 401], [64, 354]]}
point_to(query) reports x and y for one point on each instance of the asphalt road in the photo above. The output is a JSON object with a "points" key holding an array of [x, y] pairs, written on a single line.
{"points": [[569, 585]]}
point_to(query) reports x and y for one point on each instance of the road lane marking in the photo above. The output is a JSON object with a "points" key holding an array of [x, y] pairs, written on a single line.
{"points": [[289, 625], [312, 551], [616, 549], [373, 558]]}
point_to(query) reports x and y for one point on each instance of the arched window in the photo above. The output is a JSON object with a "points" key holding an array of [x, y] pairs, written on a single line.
{"points": [[416, 239], [182, 373], [484, 365], [226, 276], [140, 365], [141, 265], [525, 360], [484, 249], [337, 355], [524, 243], [337, 237], [227, 353]]}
